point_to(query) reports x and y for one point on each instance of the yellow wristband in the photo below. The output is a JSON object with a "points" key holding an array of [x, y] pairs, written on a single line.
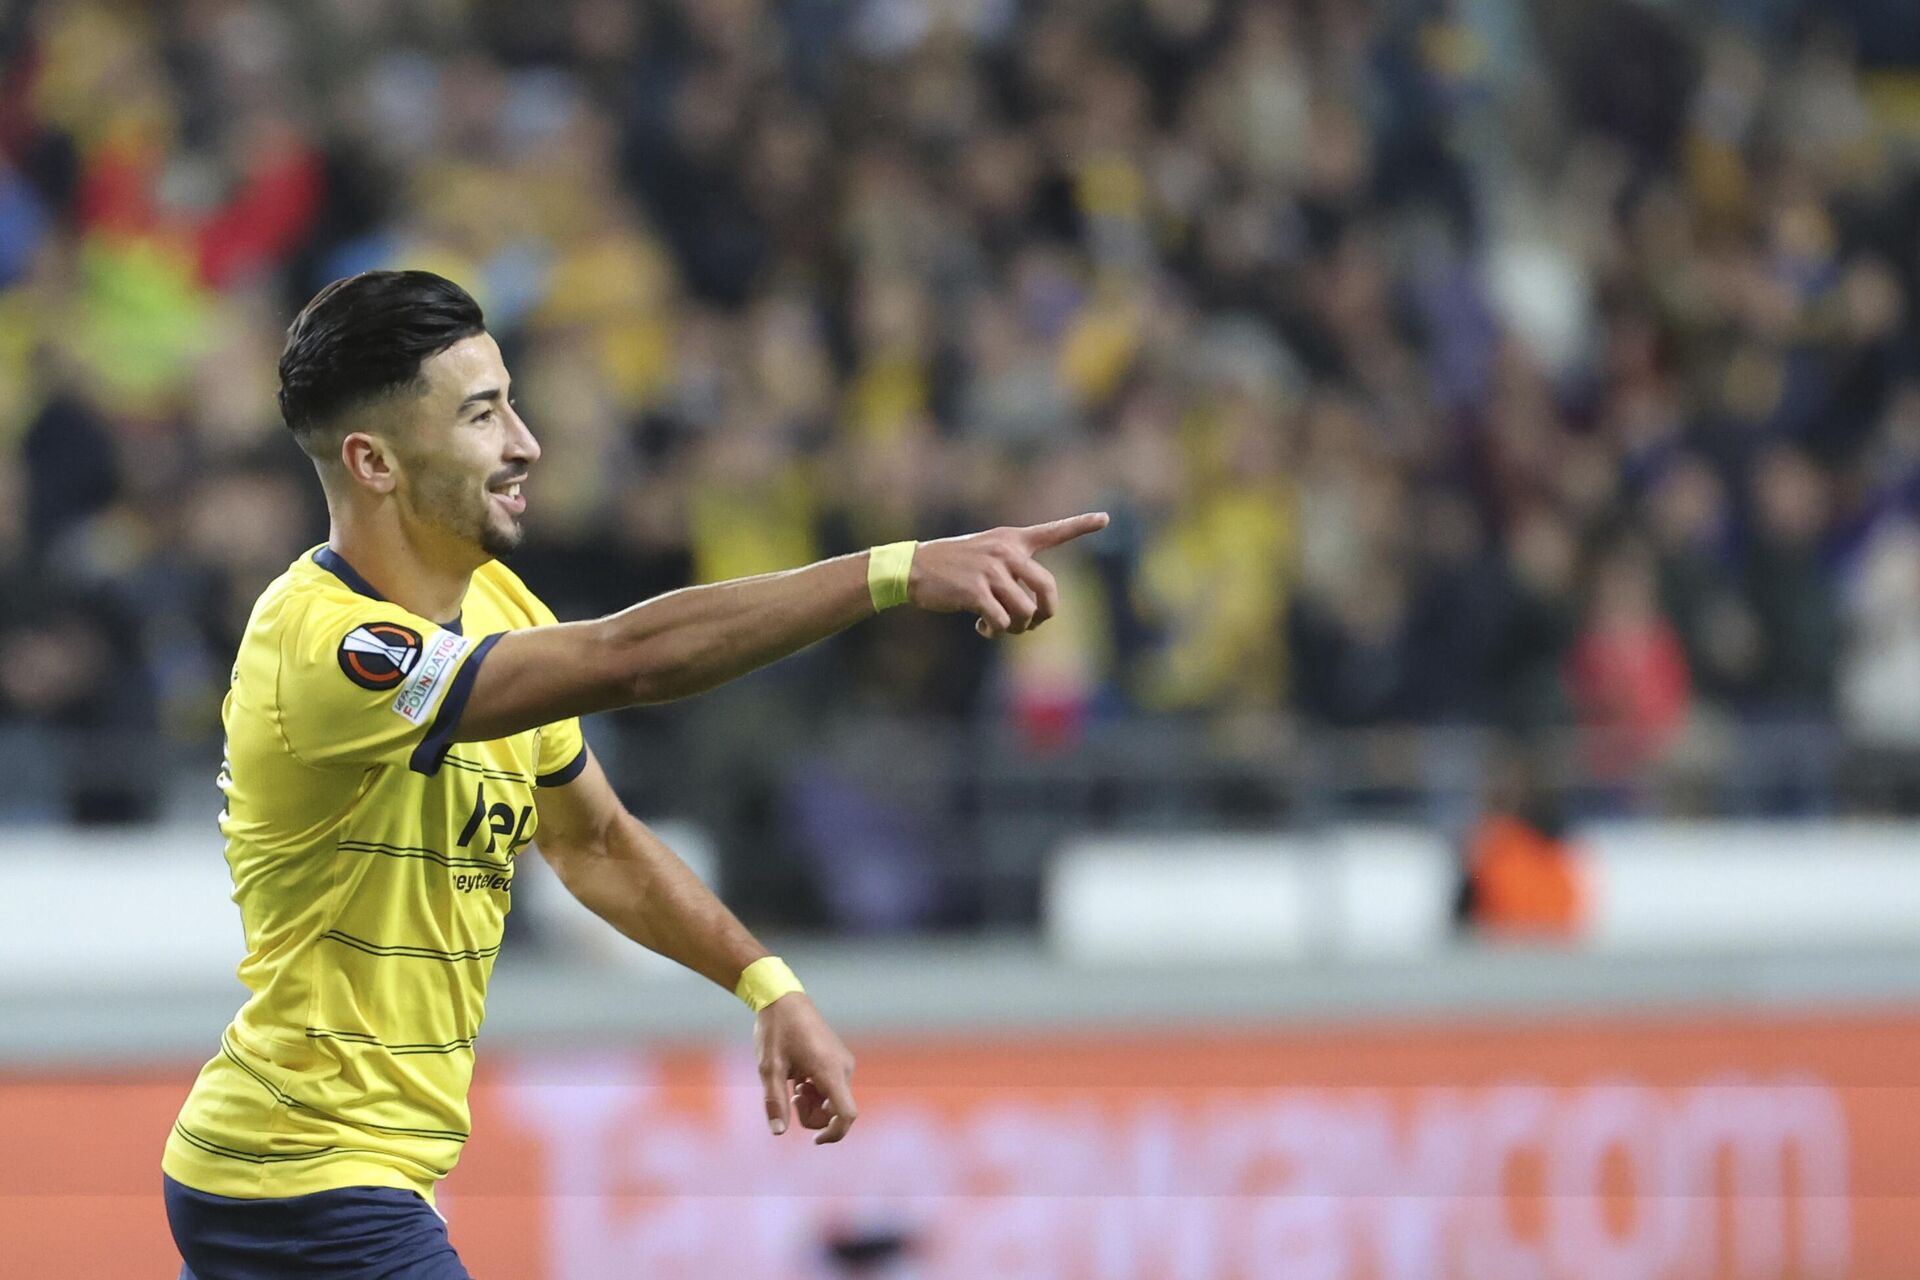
{"points": [[766, 980], [887, 570]]}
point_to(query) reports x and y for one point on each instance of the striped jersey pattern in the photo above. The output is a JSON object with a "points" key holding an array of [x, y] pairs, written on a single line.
{"points": [[373, 865]]}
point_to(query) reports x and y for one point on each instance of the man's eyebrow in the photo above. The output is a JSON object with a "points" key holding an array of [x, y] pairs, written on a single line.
{"points": [[491, 393]]}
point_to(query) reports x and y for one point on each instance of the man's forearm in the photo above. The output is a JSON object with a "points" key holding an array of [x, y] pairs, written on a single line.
{"points": [[686, 642], [634, 882], [689, 641]]}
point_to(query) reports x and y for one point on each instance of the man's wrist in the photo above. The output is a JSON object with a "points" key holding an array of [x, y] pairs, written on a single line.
{"points": [[764, 981], [888, 568]]}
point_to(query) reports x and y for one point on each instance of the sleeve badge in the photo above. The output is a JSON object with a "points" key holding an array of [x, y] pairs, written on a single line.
{"points": [[379, 655]]}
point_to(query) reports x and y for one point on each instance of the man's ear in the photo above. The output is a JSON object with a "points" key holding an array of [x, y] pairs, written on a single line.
{"points": [[368, 461]]}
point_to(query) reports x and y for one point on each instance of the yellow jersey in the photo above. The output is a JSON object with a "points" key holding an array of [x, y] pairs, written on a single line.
{"points": [[372, 861]]}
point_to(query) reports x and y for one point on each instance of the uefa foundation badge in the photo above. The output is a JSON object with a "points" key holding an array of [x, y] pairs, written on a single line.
{"points": [[378, 655]]}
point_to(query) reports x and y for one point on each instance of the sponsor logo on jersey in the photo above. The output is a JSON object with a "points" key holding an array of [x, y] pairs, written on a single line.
{"points": [[378, 655], [422, 688]]}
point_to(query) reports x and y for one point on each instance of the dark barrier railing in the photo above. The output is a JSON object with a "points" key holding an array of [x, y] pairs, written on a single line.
{"points": [[880, 823]]}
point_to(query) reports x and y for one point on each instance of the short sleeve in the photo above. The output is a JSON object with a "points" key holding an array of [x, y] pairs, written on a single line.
{"points": [[367, 682], [563, 753]]}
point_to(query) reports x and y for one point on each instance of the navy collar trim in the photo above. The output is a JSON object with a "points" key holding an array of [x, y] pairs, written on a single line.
{"points": [[336, 564]]}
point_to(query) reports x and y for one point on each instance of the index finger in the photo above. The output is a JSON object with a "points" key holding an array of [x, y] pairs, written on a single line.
{"points": [[1051, 534], [773, 1076], [840, 1097]]}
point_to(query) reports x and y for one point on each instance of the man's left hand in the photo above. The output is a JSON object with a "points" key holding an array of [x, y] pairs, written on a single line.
{"points": [[804, 1068]]}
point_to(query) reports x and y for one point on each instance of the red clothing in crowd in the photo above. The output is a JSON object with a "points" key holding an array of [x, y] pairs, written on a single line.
{"points": [[1632, 691]]}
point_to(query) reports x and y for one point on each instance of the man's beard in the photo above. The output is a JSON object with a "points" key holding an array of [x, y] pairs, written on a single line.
{"points": [[496, 541], [450, 507]]}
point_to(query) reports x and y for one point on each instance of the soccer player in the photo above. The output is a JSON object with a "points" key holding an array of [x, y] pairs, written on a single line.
{"points": [[402, 723]]}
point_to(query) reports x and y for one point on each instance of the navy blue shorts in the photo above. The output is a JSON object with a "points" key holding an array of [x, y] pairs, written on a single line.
{"points": [[354, 1233]]}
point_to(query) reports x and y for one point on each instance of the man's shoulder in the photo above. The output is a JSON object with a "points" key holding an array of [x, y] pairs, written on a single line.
{"points": [[303, 588], [281, 598], [512, 596], [262, 665], [307, 613]]}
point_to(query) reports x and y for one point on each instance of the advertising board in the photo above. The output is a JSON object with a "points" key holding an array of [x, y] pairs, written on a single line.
{"points": [[1669, 1148]]}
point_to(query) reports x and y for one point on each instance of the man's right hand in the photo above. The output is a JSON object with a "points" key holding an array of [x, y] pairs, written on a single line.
{"points": [[688, 641], [994, 574]]}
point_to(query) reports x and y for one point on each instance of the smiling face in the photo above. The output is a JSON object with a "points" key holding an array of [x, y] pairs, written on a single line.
{"points": [[464, 451]]}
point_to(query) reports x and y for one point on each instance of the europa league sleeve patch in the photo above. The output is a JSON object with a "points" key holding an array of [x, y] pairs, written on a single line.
{"points": [[379, 655], [421, 691]]}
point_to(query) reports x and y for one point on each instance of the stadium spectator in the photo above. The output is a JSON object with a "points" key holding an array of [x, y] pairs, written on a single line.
{"points": [[1524, 879], [1627, 671], [1369, 323]]}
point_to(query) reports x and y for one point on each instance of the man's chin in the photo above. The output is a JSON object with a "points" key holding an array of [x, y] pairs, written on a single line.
{"points": [[498, 542]]}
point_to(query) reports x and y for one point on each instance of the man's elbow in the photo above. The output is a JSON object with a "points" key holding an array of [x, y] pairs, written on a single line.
{"points": [[658, 659], [575, 855], [634, 671], [658, 673], [650, 682]]}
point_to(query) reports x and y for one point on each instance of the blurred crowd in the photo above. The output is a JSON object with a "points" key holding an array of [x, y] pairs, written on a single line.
{"points": [[1497, 363]]}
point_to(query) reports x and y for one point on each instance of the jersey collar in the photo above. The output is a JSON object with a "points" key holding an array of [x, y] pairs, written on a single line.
{"points": [[336, 564]]}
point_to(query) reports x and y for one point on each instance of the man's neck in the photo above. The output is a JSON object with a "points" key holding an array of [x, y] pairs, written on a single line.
{"points": [[401, 571]]}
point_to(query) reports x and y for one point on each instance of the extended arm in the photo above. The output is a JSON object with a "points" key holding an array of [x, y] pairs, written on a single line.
{"points": [[686, 642], [624, 874]]}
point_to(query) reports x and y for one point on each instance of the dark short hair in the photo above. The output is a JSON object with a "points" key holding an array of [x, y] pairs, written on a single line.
{"points": [[365, 337]]}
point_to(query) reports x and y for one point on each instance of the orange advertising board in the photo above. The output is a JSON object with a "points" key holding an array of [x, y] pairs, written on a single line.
{"points": [[1699, 1148]]}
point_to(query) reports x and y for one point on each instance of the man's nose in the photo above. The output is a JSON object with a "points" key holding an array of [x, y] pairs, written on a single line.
{"points": [[521, 445]]}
